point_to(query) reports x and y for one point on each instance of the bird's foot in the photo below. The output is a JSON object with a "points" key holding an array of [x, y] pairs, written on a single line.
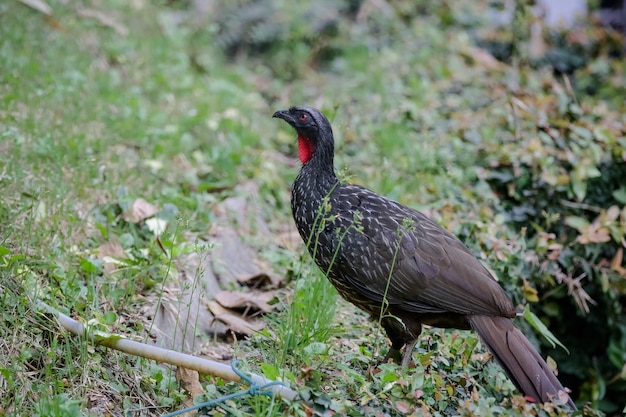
{"points": [[393, 354], [403, 359]]}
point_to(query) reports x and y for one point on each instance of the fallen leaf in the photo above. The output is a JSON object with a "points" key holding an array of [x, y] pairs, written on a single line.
{"points": [[181, 318], [217, 309], [239, 325], [100, 404], [140, 210], [109, 252], [256, 299], [235, 262], [261, 280], [190, 381], [236, 321]]}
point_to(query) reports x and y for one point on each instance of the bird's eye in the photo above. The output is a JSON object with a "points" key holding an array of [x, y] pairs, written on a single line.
{"points": [[303, 117]]}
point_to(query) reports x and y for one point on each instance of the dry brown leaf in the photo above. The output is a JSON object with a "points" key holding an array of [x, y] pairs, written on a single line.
{"points": [[217, 309], [239, 325], [110, 251], [234, 320], [256, 299], [111, 248], [140, 210], [190, 381], [217, 351], [181, 318], [100, 404], [262, 279], [39, 5], [104, 19], [616, 262], [235, 262], [595, 233]]}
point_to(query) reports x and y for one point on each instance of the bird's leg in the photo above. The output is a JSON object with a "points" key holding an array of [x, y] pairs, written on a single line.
{"points": [[393, 354], [399, 336], [408, 353]]}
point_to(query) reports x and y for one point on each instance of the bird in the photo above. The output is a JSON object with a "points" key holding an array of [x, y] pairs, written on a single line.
{"points": [[401, 267]]}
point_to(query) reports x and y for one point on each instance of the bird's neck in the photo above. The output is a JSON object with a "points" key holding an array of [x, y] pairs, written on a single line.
{"points": [[318, 173], [314, 183], [317, 157]]}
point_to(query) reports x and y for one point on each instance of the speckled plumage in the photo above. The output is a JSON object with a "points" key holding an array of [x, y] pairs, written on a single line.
{"points": [[400, 266]]}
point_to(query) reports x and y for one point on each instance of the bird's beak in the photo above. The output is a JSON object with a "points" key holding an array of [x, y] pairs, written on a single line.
{"points": [[285, 115]]}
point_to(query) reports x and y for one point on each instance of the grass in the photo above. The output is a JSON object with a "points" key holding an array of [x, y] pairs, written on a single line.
{"points": [[93, 119]]}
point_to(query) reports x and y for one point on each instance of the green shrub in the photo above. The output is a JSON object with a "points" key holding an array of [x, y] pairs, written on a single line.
{"points": [[561, 184]]}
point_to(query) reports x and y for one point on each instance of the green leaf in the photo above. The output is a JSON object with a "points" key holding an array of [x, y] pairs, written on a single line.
{"points": [[620, 195], [538, 325], [126, 240], [579, 187], [102, 229], [109, 317], [591, 171], [270, 371], [579, 223], [316, 348], [90, 266], [105, 338], [603, 134]]}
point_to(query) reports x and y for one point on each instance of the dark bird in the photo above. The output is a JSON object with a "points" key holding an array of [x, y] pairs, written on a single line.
{"points": [[401, 267]]}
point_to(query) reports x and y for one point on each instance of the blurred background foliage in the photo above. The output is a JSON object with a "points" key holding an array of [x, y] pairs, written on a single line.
{"points": [[553, 154]]}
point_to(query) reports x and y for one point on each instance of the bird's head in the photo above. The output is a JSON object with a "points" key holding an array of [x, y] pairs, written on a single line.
{"points": [[313, 129]]}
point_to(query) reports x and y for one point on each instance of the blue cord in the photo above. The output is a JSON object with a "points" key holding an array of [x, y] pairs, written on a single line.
{"points": [[255, 389]]}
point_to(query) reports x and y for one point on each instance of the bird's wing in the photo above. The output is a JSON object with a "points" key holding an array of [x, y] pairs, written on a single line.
{"points": [[403, 256]]}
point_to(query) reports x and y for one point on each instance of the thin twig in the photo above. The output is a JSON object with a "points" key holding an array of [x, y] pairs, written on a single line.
{"points": [[583, 206]]}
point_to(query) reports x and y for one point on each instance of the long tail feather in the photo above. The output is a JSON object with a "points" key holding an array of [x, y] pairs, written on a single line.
{"points": [[521, 361]]}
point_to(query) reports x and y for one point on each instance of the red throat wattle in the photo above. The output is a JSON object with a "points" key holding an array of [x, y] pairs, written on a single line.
{"points": [[305, 149]]}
